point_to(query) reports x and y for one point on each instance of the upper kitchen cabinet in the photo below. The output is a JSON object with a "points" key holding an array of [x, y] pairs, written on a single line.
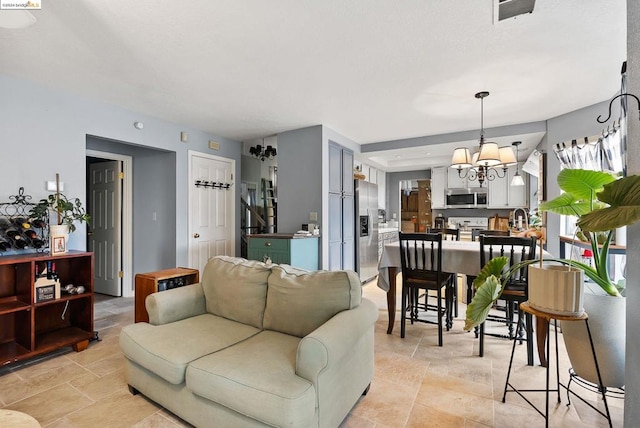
{"points": [[503, 195], [370, 173], [438, 186], [454, 181]]}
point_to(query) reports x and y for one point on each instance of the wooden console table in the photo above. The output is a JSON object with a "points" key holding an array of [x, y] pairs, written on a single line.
{"points": [[151, 282]]}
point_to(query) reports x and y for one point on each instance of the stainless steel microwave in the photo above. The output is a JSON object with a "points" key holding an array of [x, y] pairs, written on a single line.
{"points": [[466, 198]]}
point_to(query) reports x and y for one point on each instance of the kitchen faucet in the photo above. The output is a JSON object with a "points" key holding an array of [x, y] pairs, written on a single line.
{"points": [[520, 221]]}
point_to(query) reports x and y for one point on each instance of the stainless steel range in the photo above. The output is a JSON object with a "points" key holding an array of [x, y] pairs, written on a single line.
{"points": [[467, 224]]}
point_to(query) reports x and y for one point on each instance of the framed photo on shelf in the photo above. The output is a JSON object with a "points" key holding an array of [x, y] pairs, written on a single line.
{"points": [[58, 245]]}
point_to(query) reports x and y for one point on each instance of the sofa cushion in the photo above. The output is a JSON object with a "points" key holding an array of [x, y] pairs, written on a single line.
{"points": [[236, 288], [300, 301], [167, 349], [257, 378]]}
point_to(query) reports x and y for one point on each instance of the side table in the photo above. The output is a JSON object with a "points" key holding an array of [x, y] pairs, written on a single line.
{"points": [[547, 317]]}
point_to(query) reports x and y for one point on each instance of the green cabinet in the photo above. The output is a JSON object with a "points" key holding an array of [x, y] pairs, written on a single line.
{"points": [[284, 249]]}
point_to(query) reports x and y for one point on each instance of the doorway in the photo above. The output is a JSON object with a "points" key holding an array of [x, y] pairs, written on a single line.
{"points": [[415, 205], [109, 203]]}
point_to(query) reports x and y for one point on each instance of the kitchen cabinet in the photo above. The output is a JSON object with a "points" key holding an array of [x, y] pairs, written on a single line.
{"points": [[283, 248], [372, 175], [503, 195], [424, 205], [454, 181], [152, 282], [438, 185], [341, 223], [29, 328]]}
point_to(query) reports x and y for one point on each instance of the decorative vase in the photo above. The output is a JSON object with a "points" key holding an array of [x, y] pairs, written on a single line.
{"points": [[556, 289], [58, 237], [607, 324]]}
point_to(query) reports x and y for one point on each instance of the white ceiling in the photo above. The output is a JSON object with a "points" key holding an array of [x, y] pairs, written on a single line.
{"points": [[372, 70]]}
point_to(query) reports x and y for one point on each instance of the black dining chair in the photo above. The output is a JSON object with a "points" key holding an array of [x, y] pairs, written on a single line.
{"points": [[450, 235], [475, 234], [421, 263], [516, 249]]}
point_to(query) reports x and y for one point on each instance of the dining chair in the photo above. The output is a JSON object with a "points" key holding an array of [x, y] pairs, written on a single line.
{"points": [[475, 233], [515, 291], [421, 264], [450, 235]]}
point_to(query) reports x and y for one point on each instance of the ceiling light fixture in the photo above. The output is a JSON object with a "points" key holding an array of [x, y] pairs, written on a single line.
{"points": [[517, 179], [484, 164], [263, 153]]}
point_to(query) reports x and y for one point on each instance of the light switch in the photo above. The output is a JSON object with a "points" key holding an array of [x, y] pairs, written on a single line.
{"points": [[313, 216]]}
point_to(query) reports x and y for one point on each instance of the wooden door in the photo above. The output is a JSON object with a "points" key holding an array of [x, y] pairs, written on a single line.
{"points": [[105, 190]]}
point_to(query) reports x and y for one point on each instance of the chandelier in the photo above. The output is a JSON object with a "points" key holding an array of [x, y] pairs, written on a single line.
{"points": [[263, 153], [489, 162]]}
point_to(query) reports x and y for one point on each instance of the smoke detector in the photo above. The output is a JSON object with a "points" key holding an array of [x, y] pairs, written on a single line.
{"points": [[505, 9]]}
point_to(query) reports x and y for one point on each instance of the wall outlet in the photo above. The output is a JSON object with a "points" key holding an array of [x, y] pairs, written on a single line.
{"points": [[313, 216]]}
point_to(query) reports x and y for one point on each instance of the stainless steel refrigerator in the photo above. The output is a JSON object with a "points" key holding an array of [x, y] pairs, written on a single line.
{"points": [[366, 229]]}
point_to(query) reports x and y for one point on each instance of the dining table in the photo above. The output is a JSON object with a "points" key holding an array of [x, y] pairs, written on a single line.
{"points": [[461, 257]]}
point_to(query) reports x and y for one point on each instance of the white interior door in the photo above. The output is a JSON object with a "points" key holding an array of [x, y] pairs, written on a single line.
{"points": [[105, 191], [211, 209]]}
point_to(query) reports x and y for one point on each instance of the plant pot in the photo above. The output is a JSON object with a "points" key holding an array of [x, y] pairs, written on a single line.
{"points": [[58, 238], [556, 289], [607, 325]]}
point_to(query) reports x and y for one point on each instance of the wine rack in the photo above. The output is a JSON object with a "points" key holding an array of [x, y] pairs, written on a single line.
{"points": [[18, 233], [28, 328]]}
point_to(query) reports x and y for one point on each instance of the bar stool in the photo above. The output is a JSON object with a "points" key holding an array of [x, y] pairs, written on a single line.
{"points": [[541, 315]]}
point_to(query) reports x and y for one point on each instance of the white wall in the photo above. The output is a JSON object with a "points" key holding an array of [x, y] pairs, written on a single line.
{"points": [[44, 131]]}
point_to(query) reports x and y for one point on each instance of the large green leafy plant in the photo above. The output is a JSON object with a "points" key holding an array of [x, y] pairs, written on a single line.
{"points": [[601, 202]]}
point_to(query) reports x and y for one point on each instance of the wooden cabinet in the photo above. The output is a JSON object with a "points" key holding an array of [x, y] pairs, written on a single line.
{"points": [[147, 283], [284, 248], [438, 186], [424, 205], [341, 222], [28, 328]]}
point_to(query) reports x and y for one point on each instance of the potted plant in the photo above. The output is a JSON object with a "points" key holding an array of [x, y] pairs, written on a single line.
{"points": [[65, 212], [602, 203]]}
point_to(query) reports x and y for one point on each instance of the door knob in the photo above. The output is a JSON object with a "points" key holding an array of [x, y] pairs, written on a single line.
{"points": [[196, 235]]}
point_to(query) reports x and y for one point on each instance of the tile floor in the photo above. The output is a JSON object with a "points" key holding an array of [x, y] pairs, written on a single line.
{"points": [[416, 383]]}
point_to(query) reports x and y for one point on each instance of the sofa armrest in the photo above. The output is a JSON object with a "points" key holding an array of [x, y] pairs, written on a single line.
{"points": [[176, 304], [332, 341]]}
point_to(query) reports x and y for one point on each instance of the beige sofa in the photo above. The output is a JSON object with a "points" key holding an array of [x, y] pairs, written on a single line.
{"points": [[255, 345]]}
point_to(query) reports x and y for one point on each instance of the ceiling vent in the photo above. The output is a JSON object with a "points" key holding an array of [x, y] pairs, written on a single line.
{"points": [[511, 8]]}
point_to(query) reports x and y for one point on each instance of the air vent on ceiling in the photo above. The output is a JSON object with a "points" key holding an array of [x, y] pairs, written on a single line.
{"points": [[511, 8]]}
